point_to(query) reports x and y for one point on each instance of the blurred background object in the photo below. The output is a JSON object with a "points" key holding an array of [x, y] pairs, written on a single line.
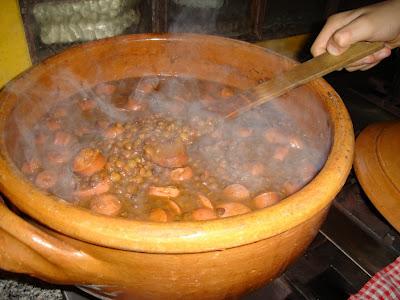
{"points": [[84, 20]]}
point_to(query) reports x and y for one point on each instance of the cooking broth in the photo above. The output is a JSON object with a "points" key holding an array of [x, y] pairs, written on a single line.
{"points": [[141, 150]]}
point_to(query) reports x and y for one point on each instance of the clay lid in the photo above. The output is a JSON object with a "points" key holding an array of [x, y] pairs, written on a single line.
{"points": [[377, 166]]}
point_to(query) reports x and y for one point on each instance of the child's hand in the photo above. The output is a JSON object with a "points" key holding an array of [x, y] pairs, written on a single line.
{"points": [[378, 22]]}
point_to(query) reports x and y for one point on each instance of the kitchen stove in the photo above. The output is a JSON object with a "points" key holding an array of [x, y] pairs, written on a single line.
{"points": [[355, 241]]}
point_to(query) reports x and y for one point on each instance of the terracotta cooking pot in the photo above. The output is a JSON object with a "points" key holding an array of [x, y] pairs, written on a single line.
{"points": [[198, 260]]}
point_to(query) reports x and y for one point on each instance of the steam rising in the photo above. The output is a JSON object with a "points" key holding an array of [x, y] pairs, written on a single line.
{"points": [[239, 151], [234, 151]]}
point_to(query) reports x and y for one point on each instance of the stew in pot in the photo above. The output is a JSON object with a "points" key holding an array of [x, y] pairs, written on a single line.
{"points": [[147, 149]]}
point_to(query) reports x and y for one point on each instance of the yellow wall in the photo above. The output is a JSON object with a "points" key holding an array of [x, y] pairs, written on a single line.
{"points": [[14, 53]]}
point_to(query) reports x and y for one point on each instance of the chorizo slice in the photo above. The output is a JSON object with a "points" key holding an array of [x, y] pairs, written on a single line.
{"points": [[236, 192], [174, 207], [88, 161], [31, 166], [266, 199], [158, 215], [203, 214], [163, 191], [114, 130], [291, 187], [181, 174], [106, 204], [205, 202], [229, 209], [308, 171], [100, 188], [46, 179]]}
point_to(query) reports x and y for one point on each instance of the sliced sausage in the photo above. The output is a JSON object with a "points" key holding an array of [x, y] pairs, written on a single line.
{"points": [[158, 215], [88, 161], [203, 214], [236, 192], [181, 174], [290, 187], [46, 179], [308, 171], [100, 188], [174, 207], [113, 131], [266, 199], [163, 191], [31, 166], [205, 202], [229, 209], [106, 204]]}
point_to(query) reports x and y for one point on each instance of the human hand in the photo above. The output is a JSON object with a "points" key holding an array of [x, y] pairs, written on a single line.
{"points": [[378, 22]]}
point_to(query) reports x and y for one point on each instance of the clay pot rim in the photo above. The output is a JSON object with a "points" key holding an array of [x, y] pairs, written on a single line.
{"points": [[185, 237]]}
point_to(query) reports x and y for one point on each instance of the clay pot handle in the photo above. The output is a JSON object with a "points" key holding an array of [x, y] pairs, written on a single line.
{"points": [[31, 249]]}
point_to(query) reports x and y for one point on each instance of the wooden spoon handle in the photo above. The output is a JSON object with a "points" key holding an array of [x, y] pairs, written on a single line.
{"points": [[303, 73]]}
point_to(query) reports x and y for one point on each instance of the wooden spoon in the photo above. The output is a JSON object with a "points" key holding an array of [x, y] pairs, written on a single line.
{"points": [[303, 73]]}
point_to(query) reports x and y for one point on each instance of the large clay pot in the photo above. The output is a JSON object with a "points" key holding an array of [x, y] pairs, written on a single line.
{"points": [[197, 260]]}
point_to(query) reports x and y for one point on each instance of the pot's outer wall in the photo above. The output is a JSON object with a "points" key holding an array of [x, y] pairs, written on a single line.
{"points": [[223, 274]]}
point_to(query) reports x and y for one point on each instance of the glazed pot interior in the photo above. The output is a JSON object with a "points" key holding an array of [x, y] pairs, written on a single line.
{"points": [[316, 109]]}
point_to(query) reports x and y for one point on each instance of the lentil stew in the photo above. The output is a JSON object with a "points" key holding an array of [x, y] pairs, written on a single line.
{"points": [[147, 149]]}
